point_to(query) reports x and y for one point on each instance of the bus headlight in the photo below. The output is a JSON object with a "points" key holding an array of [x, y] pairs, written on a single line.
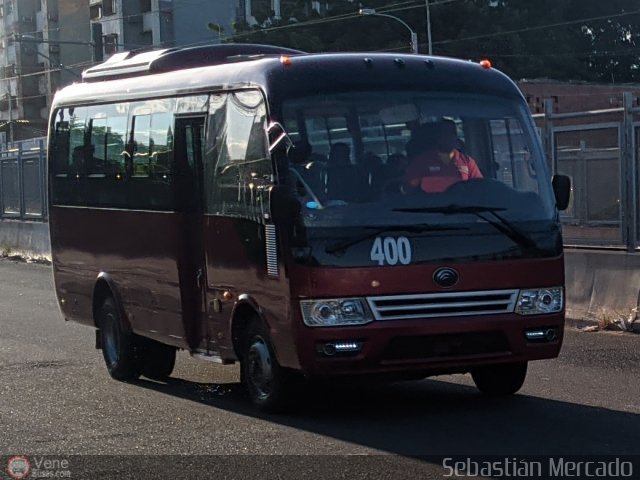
{"points": [[540, 301], [335, 312]]}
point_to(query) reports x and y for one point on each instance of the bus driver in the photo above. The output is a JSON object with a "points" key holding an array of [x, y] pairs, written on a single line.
{"points": [[436, 163]]}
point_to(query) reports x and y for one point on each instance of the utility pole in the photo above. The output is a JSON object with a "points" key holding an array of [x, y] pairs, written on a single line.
{"points": [[10, 111], [7, 79], [426, 2]]}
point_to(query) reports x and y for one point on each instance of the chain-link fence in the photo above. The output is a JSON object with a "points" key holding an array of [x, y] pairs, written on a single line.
{"points": [[22, 181]]}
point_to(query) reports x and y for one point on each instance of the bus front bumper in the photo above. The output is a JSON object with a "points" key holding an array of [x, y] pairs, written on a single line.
{"points": [[429, 346]]}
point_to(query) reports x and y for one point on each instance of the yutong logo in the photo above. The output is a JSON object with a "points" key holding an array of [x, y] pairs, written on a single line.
{"points": [[446, 277]]}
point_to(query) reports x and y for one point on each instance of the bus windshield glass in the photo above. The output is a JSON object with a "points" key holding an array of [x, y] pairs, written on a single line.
{"points": [[454, 176]]}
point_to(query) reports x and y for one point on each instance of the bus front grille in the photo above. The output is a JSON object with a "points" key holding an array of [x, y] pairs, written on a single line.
{"points": [[451, 304]]}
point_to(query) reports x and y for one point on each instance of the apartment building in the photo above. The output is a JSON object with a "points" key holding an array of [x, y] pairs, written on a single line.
{"points": [[45, 45], [250, 10], [33, 61], [135, 24]]}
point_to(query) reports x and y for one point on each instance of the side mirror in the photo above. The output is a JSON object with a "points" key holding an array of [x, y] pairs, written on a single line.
{"points": [[562, 190], [284, 206]]}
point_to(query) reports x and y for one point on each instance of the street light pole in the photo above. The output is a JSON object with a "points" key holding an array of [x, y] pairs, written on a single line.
{"points": [[8, 80], [10, 112], [414, 36], [428, 27]]}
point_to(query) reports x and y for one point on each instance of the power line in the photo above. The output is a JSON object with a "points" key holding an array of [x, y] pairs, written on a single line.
{"points": [[51, 70]]}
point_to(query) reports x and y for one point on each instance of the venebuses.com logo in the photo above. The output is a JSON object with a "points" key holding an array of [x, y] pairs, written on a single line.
{"points": [[18, 467], [21, 467]]}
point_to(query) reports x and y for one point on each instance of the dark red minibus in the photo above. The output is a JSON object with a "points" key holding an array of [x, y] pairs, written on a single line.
{"points": [[252, 203]]}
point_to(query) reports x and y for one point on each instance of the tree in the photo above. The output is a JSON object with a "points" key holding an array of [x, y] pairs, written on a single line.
{"points": [[614, 41], [339, 29], [545, 38], [588, 40]]}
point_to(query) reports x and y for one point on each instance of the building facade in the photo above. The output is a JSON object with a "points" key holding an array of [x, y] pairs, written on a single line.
{"points": [[34, 64], [137, 24], [253, 11]]}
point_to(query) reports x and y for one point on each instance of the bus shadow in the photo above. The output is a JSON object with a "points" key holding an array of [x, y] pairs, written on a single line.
{"points": [[434, 417]]}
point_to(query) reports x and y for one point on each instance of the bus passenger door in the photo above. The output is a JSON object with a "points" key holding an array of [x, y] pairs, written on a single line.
{"points": [[188, 148]]}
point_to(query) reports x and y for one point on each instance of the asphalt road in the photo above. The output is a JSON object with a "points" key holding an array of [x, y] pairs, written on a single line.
{"points": [[57, 399]]}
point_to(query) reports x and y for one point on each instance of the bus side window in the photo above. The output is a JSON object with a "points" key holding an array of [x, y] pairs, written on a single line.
{"points": [[77, 142], [161, 146], [106, 130], [61, 143], [116, 140], [149, 183], [215, 153], [141, 139], [243, 165], [159, 179], [70, 145], [512, 155]]}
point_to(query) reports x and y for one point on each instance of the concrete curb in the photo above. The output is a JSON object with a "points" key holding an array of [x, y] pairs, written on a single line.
{"points": [[25, 239], [594, 325]]}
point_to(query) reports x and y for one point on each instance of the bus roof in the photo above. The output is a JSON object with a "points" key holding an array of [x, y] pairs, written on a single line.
{"points": [[129, 64], [280, 72]]}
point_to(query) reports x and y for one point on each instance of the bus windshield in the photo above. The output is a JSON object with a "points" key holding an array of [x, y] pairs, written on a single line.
{"points": [[459, 176]]}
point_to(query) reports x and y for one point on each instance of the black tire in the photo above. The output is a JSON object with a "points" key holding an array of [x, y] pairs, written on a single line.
{"points": [[500, 380], [271, 387], [157, 360], [119, 348]]}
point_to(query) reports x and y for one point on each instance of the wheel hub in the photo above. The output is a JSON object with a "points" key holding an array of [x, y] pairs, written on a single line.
{"points": [[260, 372], [110, 336]]}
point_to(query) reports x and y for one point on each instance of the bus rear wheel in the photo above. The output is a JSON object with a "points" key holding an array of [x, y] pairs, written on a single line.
{"points": [[269, 385], [118, 346], [500, 380]]}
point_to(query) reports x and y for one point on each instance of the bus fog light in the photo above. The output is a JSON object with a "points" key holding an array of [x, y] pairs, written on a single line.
{"points": [[534, 335], [348, 346], [540, 301], [335, 312], [335, 348], [542, 335]]}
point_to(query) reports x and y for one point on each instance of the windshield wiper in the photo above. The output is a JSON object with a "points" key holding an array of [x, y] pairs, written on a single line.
{"points": [[450, 209], [500, 223], [413, 228]]}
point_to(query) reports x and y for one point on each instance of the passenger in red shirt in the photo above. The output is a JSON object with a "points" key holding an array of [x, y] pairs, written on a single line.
{"points": [[437, 163]]}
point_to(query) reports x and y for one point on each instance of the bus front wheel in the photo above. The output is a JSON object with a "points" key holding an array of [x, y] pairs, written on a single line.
{"points": [[500, 380], [269, 385], [118, 346], [157, 359]]}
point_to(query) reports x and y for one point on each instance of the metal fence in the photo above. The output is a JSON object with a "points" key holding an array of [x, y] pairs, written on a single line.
{"points": [[599, 150], [22, 181]]}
